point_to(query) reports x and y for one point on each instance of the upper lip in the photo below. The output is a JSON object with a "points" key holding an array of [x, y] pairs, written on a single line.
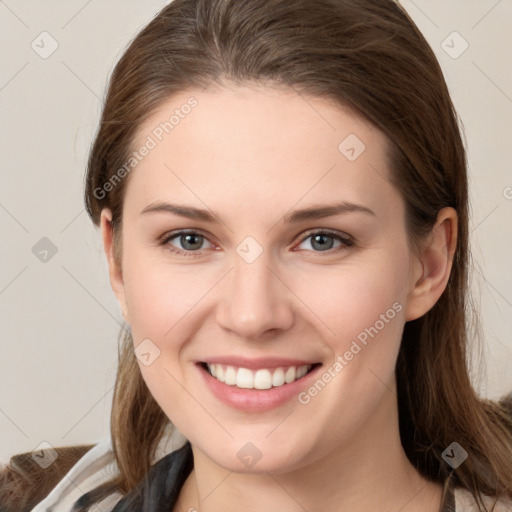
{"points": [[257, 362]]}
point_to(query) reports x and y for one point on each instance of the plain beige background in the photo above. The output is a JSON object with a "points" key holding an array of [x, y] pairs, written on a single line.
{"points": [[59, 319]]}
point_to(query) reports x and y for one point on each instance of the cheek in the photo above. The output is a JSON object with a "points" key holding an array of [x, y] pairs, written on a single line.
{"points": [[363, 309], [160, 297], [341, 302], [351, 299]]}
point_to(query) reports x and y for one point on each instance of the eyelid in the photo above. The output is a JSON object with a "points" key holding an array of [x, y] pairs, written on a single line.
{"points": [[344, 236], [332, 232], [345, 240], [164, 239]]}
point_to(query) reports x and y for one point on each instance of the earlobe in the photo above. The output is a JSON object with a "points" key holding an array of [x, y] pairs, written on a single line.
{"points": [[114, 265], [436, 261]]}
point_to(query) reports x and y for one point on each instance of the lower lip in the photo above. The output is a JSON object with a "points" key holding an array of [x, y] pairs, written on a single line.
{"points": [[255, 400]]}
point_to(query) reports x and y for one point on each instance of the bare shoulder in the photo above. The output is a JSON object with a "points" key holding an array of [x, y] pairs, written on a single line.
{"points": [[465, 502]]}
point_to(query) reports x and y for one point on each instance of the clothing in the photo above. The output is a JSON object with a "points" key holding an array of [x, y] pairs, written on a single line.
{"points": [[175, 462], [97, 466]]}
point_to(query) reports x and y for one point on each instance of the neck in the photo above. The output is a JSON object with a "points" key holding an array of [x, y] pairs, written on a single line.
{"points": [[370, 472]]}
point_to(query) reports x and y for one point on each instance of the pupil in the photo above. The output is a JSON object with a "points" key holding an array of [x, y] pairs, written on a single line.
{"points": [[323, 245], [189, 240]]}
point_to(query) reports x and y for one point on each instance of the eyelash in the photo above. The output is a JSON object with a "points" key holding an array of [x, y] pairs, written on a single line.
{"points": [[346, 241]]}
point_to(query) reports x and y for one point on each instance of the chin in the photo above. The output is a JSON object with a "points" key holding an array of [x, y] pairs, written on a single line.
{"points": [[257, 457]]}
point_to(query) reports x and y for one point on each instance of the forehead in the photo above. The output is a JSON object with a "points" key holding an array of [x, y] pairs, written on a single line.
{"points": [[259, 142]]}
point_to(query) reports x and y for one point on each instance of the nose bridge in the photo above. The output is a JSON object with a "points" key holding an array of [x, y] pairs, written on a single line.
{"points": [[254, 300]]}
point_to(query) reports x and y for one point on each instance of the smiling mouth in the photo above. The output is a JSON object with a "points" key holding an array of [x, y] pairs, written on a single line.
{"points": [[263, 378]]}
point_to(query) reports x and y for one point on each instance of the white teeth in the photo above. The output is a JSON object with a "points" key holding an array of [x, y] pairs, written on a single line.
{"points": [[289, 376], [259, 379], [263, 379], [230, 376], [244, 378], [278, 377], [301, 371]]}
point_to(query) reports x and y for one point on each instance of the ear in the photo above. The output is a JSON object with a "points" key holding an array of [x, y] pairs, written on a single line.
{"points": [[114, 266], [433, 266]]}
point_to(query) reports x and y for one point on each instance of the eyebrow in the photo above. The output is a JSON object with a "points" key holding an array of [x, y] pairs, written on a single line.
{"points": [[310, 213]]}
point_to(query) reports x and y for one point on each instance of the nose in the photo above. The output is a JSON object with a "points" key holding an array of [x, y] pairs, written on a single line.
{"points": [[255, 300]]}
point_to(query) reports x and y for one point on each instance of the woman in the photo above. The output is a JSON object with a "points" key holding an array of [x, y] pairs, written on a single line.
{"points": [[282, 193]]}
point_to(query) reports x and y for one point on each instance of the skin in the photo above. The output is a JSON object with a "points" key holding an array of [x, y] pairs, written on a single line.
{"points": [[251, 155]]}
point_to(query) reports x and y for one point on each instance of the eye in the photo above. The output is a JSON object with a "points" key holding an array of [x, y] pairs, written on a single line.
{"points": [[191, 242], [324, 241]]}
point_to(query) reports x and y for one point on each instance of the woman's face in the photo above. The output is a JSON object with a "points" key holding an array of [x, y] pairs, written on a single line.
{"points": [[294, 258]]}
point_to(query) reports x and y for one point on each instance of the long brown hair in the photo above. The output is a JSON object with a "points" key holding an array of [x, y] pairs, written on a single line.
{"points": [[370, 55]]}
